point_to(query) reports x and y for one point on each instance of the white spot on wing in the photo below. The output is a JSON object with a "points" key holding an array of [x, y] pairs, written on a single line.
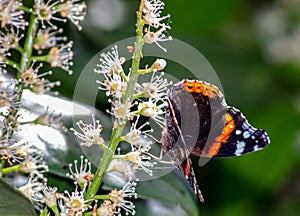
{"points": [[256, 148], [238, 132], [240, 147], [246, 135]]}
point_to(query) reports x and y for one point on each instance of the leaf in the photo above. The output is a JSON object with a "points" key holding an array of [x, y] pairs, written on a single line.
{"points": [[12, 202], [153, 207], [171, 189]]}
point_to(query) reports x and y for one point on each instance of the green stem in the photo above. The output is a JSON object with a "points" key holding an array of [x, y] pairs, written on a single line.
{"points": [[137, 55], [26, 57], [104, 162], [11, 169], [11, 63], [118, 131], [40, 58], [138, 95], [24, 8], [144, 71], [103, 197], [120, 157], [19, 48], [28, 46], [55, 210]]}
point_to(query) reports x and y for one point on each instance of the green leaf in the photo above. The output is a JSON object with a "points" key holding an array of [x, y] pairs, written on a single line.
{"points": [[172, 190], [153, 207], [12, 202]]}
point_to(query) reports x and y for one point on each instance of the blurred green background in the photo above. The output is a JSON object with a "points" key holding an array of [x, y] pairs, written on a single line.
{"points": [[254, 46]]}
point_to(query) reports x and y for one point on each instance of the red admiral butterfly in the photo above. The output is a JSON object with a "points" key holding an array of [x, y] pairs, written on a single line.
{"points": [[199, 122]]}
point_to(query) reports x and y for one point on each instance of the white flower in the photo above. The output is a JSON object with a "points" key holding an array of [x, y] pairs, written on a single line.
{"points": [[152, 13], [9, 95], [44, 85], [110, 62], [74, 11], [10, 39], [159, 65], [91, 133], [137, 136], [121, 166], [33, 186], [156, 37], [34, 163], [46, 195], [30, 76], [12, 150], [3, 60], [153, 109], [156, 88], [141, 160], [47, 38], [106, 209], [61, 56], [11, 15], [81, 174], [113, 85], [74, 203], [46, 12], [10, 122], [119, 198], [51, 119], [121, 111]]}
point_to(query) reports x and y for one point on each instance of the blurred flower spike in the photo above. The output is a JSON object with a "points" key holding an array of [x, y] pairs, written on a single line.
{"points": [[30, 43]]}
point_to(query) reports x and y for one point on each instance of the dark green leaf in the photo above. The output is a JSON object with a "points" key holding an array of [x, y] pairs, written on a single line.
{"points": [[12, 202]]}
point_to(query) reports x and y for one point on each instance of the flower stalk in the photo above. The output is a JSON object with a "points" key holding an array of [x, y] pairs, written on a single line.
{"points": [[129, 95], [26, 55]]}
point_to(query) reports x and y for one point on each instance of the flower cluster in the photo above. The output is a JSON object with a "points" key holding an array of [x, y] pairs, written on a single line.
{"points": [[11, 15], [131, 101], [117, 200], [152, 17], [60, 203], [54, 10]]}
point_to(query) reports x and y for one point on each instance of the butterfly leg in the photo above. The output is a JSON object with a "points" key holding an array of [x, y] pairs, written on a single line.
{"points": [[188, 171]]}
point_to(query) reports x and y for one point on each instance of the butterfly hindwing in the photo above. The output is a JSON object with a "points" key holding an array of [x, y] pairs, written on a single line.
{"points": [[240, 137]]}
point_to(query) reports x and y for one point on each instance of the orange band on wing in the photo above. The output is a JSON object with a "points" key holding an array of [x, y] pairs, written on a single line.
{"points": [[229, 127], [202, 87], [214, 149]]}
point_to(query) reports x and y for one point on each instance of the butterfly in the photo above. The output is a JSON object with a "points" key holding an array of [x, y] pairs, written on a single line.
{"points": [[200, 123]]}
